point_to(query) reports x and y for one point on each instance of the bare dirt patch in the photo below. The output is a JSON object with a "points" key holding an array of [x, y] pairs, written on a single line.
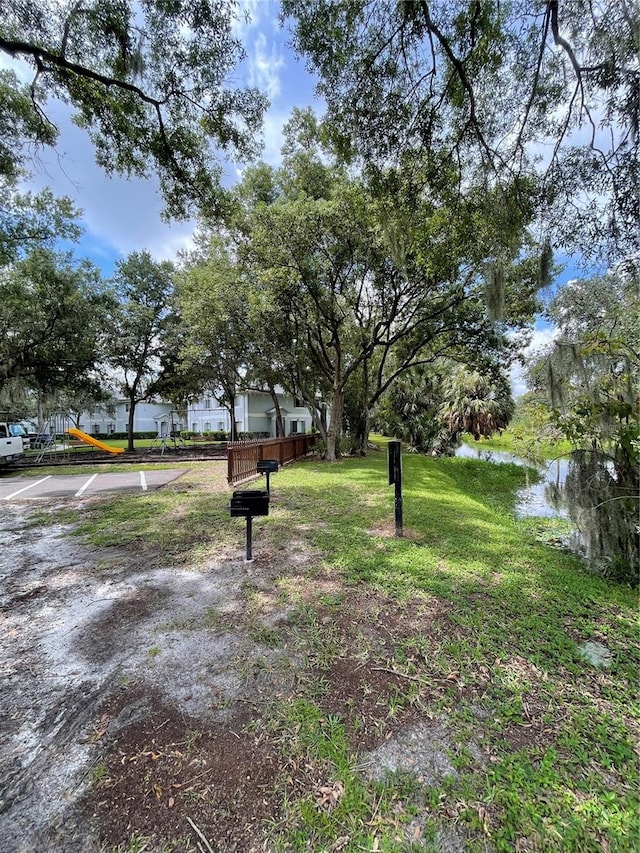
{"points": [[421, 750], [387, 530], [363, 697], [163, 769], [77, 623], [360, 678]]}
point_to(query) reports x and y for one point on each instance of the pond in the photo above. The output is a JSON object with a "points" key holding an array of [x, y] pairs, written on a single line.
{"points": [[540, 498], [598, 497]]}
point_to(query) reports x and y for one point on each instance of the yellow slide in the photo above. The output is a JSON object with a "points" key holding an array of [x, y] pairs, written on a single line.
{"points": [[88, 439]]}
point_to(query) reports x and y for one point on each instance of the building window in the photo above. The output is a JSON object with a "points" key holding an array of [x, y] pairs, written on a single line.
{"points": [[294, 428], [126, 407], [96, 429], [194, 427], [298, 403], [221, 426], [207, 426], [207, 402]]}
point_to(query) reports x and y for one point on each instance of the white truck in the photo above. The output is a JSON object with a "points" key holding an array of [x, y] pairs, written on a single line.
{"points": [[13, 442]]}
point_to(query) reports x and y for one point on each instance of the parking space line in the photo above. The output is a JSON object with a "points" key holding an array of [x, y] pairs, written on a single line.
{"points": [[86, 486], [30, 486], [143, 481]]}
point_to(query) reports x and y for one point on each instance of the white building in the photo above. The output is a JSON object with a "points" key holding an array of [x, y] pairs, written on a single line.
{"points": [[254, 413], [150, 416]]}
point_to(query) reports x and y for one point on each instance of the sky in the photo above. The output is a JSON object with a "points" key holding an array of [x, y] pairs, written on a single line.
{"points": [[122, 215]]}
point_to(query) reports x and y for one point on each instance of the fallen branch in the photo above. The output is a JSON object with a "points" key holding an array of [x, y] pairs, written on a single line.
{"points": [[201, 836], [395, 672]]}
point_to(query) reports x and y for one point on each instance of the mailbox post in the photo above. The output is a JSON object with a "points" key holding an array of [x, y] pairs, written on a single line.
{"points": [[245, 503], [394, 462]]}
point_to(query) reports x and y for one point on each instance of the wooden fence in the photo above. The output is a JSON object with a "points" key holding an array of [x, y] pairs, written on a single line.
{"points": [[243, 456]]}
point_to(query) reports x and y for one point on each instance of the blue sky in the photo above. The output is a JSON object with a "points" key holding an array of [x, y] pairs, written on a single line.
{"points": [[120, 215]]}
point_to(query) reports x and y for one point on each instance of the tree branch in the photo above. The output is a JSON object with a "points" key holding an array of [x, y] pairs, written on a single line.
{"points": [[41, 54]]}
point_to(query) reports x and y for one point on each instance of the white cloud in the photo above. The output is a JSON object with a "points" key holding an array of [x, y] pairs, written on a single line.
{"points": [[540, 338], [254, 14], [265, 66]]}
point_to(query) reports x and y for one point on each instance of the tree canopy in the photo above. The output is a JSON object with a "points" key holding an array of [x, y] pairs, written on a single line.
{"points": [[359, 280], [500, 89], [150, 81], [135, 339], [592, 375], [431, 406], [29, 221], [214, 305], [52, 317]]}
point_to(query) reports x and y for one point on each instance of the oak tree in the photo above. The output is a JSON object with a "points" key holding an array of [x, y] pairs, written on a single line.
{"points": [[135, 339], [548, 90], [150, 81]]}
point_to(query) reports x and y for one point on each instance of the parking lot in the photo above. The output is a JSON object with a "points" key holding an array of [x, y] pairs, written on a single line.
{"points": [[79, 485]]}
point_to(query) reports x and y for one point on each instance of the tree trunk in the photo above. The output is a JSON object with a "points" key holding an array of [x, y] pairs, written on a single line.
{"points": [[362, 426], [233, 432], [279, 418], [362, 431], [335, 425], [132, 411], [319, 418]]}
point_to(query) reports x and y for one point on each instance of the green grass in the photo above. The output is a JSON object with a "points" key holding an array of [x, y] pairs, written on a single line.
{"points": [[140, 444], [519, 445], [481, 617], [145, 443], [515, 608]]}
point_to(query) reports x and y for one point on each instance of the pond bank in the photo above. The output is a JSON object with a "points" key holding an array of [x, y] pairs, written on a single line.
{"points": [[538, 498]]}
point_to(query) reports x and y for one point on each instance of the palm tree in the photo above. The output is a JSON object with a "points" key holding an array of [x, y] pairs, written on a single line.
{"points": [[476, 404]]}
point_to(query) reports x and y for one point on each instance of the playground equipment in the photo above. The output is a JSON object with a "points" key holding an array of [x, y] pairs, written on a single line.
{"points": [[170, 436], [89, 439], [45, 441]]}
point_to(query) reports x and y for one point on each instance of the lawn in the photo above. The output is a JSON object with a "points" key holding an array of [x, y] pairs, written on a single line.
{"points": [[450, 657]]}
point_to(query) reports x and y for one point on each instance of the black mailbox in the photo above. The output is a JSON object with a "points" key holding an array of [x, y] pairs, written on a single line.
{"points": [[249, 502], [267, 466]]}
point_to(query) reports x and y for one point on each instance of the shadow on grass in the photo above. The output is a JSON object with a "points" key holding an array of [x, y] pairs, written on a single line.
{"points": [[467, 546]]}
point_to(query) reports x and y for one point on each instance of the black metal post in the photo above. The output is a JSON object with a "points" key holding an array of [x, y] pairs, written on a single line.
{"points": [[398, 506], [394, 462], [249, 542], [268, 488]]}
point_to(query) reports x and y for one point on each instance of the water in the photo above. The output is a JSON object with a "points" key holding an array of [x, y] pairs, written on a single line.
{"points": [[543, 498]]}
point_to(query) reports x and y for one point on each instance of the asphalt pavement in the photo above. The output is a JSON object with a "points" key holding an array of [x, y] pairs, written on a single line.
{"points": [[83, 485]]}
